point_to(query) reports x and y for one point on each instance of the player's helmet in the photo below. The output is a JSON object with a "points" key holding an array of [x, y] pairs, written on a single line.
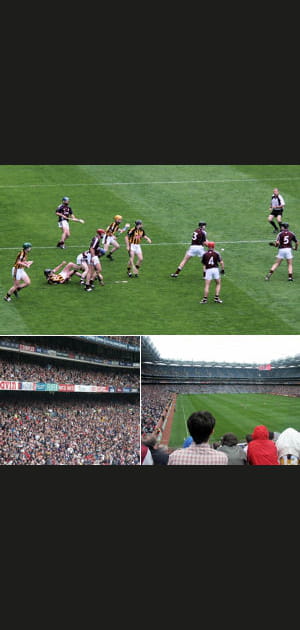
{"points": [[118, 217], [202, 223], [47, 272], [138, 222], [65, 199], [100, 232], [285, 225], [27, 245], [210, 244]]}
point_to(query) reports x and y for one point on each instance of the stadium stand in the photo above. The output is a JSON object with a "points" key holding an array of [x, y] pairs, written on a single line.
{"points": [[162, 380], [69, 401]]}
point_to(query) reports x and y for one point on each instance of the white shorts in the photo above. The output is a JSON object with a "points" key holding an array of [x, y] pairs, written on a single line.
{"points": [[196, 250], [212, 274], [79, 259], [136, 249], [94, 261], [285, 252], [64, 224], [20, 274], [110, 240]]}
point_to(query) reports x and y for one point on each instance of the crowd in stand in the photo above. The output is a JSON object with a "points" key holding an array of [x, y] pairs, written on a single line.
{"points": [[69, 433], [154, 402], [20, 370], [263, 447]]}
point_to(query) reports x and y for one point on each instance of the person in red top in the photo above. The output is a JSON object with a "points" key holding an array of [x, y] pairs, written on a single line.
{"points": [[284, 242], [261, 450]]}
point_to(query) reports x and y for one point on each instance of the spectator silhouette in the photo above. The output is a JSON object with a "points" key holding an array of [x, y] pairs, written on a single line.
{"points": [[229, 445], [288, 447], [160, 456], [261, 450], [200, 425]]}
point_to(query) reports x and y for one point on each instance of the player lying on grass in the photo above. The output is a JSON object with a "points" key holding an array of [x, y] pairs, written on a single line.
{"points": [[65, 274]]}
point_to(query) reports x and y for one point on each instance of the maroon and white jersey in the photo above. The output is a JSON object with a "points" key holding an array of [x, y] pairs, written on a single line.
{"points": [[285, 239], [211, 259], [65, 210], [198, 237]]}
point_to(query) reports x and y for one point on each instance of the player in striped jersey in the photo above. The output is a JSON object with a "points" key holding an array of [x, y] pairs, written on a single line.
{"points": [[133, 240], [20, 277], [65, 274], [111, 233]]}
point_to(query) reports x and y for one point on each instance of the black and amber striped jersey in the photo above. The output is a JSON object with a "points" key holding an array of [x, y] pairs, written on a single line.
{"points": [[56, 278], [112, 229], [135, 235], [21, 257]]}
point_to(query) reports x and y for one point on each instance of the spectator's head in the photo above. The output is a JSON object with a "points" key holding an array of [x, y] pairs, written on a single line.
{"points": [[150, 440], [201, 425], [248, 437], [260, 433], [229, 439]]}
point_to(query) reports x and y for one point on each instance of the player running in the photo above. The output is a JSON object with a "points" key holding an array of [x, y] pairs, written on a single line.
{"points": [[20, 277], [111, 233], [53, 277], [284, 242], [65, 214], [196, 248], [211, 260], [133, 245]]}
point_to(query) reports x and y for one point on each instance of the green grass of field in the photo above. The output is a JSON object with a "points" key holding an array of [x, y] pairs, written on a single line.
{"points": [[236, 413], [171, 200]]}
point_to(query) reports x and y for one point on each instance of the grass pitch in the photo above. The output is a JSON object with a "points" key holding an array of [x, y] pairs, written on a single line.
{"points": [[171, 200], [236, 413]]}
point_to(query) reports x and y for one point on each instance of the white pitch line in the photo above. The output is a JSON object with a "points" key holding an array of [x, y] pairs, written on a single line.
{"points": [[154, 183], [170, 244]]}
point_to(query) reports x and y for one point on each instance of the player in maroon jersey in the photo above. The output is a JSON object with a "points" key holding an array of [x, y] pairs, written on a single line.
{"points": [[64, 214], [284, 242], [211, 261], [196, 248], [94, 265]]}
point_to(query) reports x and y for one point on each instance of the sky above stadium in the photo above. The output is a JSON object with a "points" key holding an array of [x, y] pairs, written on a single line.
{"points": [[235, 348]]}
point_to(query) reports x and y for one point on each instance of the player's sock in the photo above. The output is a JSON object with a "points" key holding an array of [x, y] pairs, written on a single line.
{"points": [[274, 224]]}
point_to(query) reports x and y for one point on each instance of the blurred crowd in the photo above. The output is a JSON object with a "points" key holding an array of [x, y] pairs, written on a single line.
{"points": [[19, 369], [68, 433]]}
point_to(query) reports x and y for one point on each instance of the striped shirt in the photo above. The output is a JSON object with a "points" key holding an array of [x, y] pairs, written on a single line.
{"points": [[56, 278], [135, 235], [197, 455], [21, 257]]}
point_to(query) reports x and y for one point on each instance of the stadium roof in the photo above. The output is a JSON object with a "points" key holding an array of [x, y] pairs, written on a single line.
{"points": [[151, 355]]}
